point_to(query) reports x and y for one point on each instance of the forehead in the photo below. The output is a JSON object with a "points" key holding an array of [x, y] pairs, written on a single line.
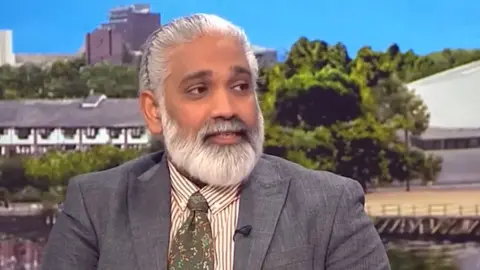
{"points": [[209, 52]]}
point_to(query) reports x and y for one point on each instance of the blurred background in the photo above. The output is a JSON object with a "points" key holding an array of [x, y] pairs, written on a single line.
{"points": [[379, 91]]}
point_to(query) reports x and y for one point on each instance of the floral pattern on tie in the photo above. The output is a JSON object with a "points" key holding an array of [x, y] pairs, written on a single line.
{"points": [[192, 247]]}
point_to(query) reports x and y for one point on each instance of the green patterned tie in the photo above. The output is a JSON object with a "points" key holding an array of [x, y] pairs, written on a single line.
{"points": [[192, 247]]}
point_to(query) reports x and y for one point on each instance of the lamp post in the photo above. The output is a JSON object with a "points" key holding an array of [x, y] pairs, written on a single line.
{"points": [[407, 160]]}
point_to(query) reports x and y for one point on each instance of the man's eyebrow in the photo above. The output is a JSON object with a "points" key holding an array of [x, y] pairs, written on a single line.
{"points": [[240, 70], [197, 75]]}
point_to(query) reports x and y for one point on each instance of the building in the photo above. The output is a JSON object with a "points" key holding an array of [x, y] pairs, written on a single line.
{"points": [[35, 126], [452, 98], [265, 57], [42, 58], [120, 39], [6, 48], [7, 56]]}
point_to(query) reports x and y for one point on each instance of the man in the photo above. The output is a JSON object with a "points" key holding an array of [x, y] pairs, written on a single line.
{"points": [[212, 200]]}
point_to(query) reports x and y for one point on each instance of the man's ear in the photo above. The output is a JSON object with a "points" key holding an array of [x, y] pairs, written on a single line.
{"points": [[151, 114]]}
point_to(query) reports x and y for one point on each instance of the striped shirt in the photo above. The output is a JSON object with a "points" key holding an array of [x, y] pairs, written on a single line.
{"points": [[223, 213]]}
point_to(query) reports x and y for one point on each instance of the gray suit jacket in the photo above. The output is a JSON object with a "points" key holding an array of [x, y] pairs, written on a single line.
{"points": [[301, 219]]}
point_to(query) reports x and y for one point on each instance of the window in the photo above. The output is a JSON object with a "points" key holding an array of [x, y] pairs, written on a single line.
{"points": [[461, 143], [45, 132], [70, 147], [430, 144], [135, 146], [69, 133], [137, 133], [24, 150], [90, 133], [23, 133], [114, 132], [473, 143], [3, 131], [450, 144]]}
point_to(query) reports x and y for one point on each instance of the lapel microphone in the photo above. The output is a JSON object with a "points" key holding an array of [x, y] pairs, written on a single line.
{"points": [[244, 231]]}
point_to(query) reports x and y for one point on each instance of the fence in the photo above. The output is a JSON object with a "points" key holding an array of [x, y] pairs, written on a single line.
{"points": [[433, 210], [22, 209]]}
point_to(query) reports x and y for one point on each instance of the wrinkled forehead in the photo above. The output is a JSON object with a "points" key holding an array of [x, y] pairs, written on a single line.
{"points": [[213, 52]]}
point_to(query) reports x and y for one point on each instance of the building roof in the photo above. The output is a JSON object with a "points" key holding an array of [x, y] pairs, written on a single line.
{"points": [[446, 133], [70, 113], [452, 96]]}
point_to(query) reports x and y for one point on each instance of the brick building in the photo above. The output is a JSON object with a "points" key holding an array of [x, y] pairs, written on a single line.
{"points": [[119, 41]]}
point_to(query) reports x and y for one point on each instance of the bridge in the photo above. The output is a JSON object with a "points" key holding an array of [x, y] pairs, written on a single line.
{"points": [[422, 222], [431, 222]]}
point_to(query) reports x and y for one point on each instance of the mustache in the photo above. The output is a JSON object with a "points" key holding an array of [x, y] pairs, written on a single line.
{"points": [[223, 125]]}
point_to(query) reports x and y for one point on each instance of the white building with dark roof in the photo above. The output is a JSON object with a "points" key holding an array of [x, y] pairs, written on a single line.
{"points": [[453, 99], [34, 126]]}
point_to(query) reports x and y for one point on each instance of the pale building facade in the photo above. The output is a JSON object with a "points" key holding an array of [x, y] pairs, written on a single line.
{"points": [[6, 48], [35, 126]]}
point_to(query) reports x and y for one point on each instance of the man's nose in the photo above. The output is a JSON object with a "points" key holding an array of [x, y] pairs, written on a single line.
{"points": [[222, 104]]}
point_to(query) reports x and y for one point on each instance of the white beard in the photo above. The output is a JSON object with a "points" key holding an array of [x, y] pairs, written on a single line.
{"points": [[212, 164]]}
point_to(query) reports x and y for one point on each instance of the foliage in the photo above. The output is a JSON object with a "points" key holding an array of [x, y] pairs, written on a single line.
{"points": [[58, 167], [67, 79], [45, 177], [328, 111], [420, 260], [323, 109]]}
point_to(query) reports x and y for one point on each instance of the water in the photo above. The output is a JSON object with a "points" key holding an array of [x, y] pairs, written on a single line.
{"points": [[20, 254]]}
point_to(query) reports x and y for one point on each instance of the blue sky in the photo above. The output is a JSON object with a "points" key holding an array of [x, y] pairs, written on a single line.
{"points": [[54, 26]]}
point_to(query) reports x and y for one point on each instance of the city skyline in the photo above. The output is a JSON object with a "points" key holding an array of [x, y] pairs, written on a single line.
{"points": [[273, 24]]}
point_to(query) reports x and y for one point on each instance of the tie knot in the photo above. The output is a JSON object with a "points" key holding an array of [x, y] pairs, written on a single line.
{"points": [[197, 203]]}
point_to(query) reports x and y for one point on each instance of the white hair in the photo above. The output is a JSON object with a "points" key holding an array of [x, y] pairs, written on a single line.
{"points": [[183, 30], [212, 164]]}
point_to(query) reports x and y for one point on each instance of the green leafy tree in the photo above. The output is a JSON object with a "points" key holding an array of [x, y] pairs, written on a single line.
{"points": [[111, 80], [420, 260], [327, 111], [56, 167]]}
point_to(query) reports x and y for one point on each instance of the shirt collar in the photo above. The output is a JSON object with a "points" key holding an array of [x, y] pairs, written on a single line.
{"points": [[218, 198]]}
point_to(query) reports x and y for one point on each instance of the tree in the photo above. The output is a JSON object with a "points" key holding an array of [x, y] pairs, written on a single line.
{"points": [[323, 108], [12, 174], [399, 107], [55, 168], [113, 81], [327, 111], [67, 79], [420, 260]]}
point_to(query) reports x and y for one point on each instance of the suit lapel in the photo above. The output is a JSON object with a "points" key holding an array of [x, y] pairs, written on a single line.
{"points": [[261, 202], [149, 213]]}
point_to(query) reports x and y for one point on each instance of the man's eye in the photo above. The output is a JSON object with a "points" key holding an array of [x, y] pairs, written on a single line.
{"points": [[197, 90], [241, 87]]}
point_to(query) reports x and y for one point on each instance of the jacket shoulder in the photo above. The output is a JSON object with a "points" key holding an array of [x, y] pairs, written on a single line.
{"points": [[312, 180], [113, 177]]}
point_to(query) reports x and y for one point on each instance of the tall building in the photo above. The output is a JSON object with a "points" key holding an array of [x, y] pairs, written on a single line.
{"points": [[8, 57], [119, 40], [6, 48]]}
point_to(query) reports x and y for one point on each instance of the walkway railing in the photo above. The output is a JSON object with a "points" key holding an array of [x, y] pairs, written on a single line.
{"points": [[434, 210], [22, 209]]}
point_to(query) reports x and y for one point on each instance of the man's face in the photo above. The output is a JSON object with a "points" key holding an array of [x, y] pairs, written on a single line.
{"points": [[209, 79], [210, 119]]}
